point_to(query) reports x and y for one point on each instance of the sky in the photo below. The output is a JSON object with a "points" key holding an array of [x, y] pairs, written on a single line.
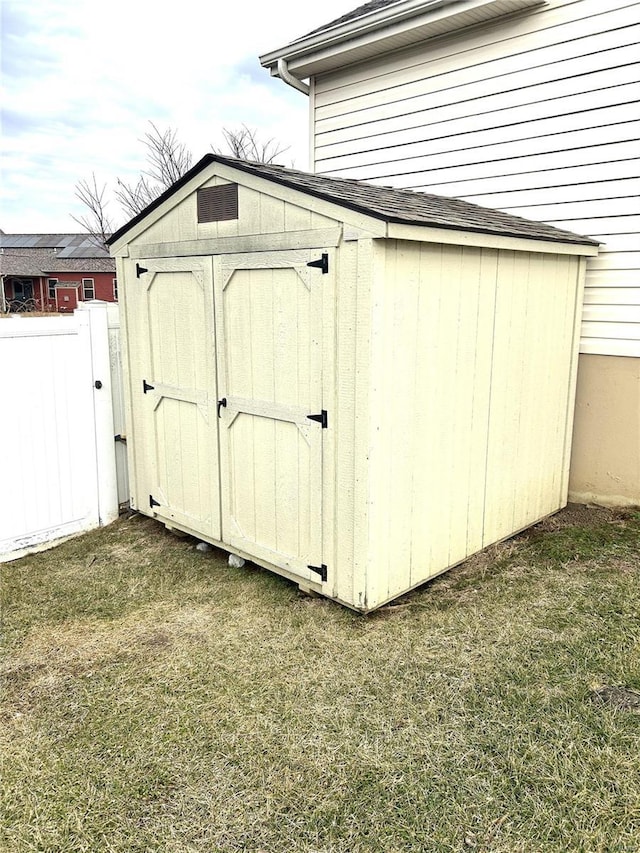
{"points": [[81, 80]]}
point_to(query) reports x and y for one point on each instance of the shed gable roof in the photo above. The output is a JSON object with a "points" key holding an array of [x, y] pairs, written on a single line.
{"points": [[384, 203]]}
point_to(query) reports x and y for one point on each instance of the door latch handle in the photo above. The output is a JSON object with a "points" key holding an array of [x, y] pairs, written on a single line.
{"points": [[222, 404]]}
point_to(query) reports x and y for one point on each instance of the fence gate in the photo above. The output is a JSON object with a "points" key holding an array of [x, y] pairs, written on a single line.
{"points": [[56, 428]]}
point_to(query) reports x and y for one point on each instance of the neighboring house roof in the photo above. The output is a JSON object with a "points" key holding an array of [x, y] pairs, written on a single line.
{"points": [[379, 26], [385, 203], [66, 245], [33, 255], [59, 264], [24, 263]]}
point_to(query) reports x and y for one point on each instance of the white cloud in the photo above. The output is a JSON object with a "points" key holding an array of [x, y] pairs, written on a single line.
{"points": [[82, 81]]}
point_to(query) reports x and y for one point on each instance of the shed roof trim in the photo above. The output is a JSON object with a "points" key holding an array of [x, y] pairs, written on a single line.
{"points": [[383, 203]]}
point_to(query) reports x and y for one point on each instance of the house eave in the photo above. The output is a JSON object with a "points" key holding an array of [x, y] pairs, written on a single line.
{"points": [[396, 26]]}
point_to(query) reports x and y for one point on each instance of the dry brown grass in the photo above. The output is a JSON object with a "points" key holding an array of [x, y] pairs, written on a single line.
{"points": [[157, 700]]}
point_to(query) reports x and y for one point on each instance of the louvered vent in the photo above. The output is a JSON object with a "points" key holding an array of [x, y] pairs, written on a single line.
{"points": [[218, 203]]}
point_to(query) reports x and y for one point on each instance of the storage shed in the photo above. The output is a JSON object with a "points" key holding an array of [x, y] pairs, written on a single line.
{"points": [[354, 386]]}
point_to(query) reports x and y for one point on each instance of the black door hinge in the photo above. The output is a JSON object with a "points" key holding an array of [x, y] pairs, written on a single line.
{"points": [[146, 387], [119, 437], [319, 570], [140, 270], [153, 502], [322, 263], [321, 418]]}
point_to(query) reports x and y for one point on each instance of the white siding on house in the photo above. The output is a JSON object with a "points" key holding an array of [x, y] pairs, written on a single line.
{"points": [[537, 114]]}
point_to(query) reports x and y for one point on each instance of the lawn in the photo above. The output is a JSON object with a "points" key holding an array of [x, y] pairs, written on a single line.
{"points": [[155, 699]]}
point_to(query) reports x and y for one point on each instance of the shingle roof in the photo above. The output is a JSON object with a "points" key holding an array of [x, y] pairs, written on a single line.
{"points": [[34, 255], [385, 203], [24, 262], [59, 264], [365, 9]]}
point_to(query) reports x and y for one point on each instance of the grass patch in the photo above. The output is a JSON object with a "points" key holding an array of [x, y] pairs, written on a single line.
{"points": [[156, 699]]}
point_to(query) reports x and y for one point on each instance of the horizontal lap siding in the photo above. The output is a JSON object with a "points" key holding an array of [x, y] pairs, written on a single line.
{"points": [[538, 114]]}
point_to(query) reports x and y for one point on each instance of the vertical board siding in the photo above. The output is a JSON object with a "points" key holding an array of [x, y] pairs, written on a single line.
{"points": [[472, 358], [350, 423], [269, 351], [535, 299], [537, 114], [258, 213], [268, 358], [173, 424]]}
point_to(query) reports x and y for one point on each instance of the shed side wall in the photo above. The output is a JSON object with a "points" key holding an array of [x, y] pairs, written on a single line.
{"points": [[472, 358]]}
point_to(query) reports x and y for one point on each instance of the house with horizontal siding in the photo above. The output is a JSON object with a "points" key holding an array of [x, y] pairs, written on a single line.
{"points": [[527, 106]]}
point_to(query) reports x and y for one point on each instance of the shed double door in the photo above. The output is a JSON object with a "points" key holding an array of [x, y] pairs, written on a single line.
{"points": [[171, 342], [269, 343], [225, 399]]}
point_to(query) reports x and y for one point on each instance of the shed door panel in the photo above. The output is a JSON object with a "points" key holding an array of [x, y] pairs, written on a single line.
{"points": [[268, 310], [175, 417]]}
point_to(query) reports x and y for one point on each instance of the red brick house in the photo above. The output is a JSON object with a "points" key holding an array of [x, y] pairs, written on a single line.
{"points": [[53, 272]]}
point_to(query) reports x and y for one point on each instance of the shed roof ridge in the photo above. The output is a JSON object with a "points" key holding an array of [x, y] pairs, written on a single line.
{"points": [[306, 181], [390, 204]]}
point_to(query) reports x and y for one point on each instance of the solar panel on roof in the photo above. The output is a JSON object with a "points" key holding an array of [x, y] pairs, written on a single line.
{"points": [[87, 250], [67, 245]]}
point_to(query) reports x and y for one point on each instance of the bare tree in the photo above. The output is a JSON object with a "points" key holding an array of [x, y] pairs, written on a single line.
{"points": [[245, 144], [95, 221], [168, 160]]}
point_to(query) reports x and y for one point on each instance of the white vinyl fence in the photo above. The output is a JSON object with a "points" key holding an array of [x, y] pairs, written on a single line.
{"points": [[61, 471], [117, 400]]}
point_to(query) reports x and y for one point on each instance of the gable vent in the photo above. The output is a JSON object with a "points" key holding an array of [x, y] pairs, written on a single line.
{"points": [[216, 204]]}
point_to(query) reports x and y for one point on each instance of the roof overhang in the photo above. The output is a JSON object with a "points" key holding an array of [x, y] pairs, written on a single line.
{"points": [[353, 210], [390, 28]]}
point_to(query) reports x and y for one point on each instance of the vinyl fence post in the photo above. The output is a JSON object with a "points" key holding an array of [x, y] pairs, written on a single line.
{"points": [[105, 443]]}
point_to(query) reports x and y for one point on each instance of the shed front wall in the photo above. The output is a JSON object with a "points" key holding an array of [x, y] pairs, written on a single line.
{"points": [[259, 214], [223, 445], [473, 362]]}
